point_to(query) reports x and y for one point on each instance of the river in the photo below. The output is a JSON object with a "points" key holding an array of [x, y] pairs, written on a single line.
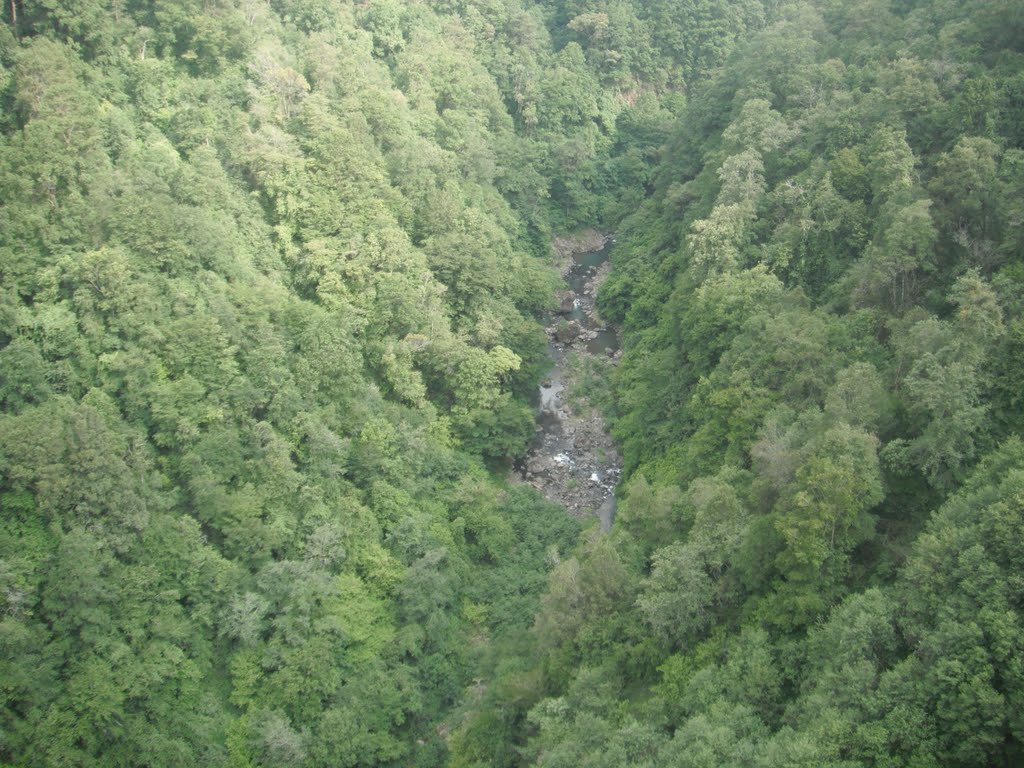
{"points": [[573, 460]]}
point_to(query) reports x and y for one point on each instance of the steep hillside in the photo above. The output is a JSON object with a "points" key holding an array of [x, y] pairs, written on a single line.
{"points": [[271, 276], [815, 557]]}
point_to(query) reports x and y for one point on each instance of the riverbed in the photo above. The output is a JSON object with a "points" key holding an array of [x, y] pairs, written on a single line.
{"points": [[573, 460]]}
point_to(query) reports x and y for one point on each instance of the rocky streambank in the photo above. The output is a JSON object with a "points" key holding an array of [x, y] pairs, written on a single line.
{"points": [[573, 460]]}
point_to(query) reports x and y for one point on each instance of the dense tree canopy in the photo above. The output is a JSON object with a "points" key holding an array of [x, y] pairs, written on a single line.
{"points": [[820, 296], [270, 280]]}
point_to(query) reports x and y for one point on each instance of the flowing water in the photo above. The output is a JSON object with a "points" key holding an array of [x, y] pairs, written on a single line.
{"points": [[573, 461]]}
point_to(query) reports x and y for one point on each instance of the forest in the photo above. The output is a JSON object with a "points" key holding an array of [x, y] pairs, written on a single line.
{"points": [[272, 281]]}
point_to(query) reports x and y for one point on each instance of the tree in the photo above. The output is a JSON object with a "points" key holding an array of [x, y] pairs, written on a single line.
{"points": [[823, 513], [679, 595], [895, 264], [859, 398], [944, 382], [651, 514], [967, 189], [960, 686], [891, 166], [758, 127]]}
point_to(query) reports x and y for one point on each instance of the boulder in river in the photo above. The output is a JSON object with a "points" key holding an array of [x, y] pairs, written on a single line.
{"points": [[537, 465], [566, 333], [566, 302]]}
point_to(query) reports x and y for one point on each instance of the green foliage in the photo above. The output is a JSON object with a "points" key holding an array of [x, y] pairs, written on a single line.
{"points": [[820, 293], [270, 281], [270, 286]]}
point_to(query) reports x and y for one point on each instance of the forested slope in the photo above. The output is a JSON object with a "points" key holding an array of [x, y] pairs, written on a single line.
{"points": [[270, 274], [816, 560], [269, 280]]}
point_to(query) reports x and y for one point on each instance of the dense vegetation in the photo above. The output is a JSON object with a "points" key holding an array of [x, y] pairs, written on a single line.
{"points": [[817, 558], [270, 279]]}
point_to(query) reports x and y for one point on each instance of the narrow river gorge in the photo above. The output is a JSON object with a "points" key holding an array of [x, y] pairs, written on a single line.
{"points": [[573, 460]]}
